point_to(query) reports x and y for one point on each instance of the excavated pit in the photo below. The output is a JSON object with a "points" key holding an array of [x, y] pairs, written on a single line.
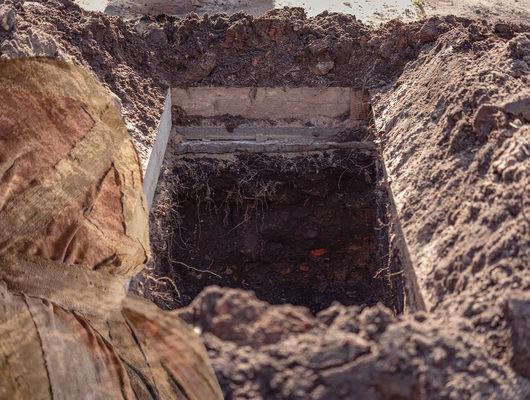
{"points": [[296, 211], [305, 229]]}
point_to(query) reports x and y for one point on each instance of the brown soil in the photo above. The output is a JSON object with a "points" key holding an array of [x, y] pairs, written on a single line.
{"points": [[458, 156], [302, 231]]}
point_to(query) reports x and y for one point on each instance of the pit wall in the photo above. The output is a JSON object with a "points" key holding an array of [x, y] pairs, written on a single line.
{"points": [[402, 273]]}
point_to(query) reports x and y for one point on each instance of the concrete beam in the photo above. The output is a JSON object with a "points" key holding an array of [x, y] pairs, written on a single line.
{"points": [[257, 133], [158, 152], [230, 147], [303, 103]]}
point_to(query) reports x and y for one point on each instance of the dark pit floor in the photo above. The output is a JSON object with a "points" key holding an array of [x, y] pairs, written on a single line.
{"points": [[301, 230]]}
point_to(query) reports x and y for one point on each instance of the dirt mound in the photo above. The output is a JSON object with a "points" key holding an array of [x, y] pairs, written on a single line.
{"points": [[284, 47], [283, 352], [137, 59], [458, 155], [454, 131]]}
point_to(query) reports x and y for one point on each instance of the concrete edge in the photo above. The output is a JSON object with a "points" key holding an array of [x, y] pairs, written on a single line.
{"points": [[276, 103], [156, 158], [228, 147], [414, 298]]}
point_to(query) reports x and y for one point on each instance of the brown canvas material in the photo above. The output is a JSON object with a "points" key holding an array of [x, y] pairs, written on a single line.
{"points": [[73, 230]]}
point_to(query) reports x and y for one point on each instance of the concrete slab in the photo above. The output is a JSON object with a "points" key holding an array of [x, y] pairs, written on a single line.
{"points": [[271, 103], [230, 147], [158, 152], [257, 133]]}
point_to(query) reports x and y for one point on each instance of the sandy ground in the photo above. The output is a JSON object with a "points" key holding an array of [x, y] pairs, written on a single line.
{"points": [[492, 10], [369, 11], [93, 5]]}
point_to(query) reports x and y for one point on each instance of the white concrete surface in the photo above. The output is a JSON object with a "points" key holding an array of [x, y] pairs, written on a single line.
{"points": [[271, 103], [158, 152]]}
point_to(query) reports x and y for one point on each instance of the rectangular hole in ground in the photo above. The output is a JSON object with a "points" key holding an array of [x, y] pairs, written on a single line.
{"points": [[306, 230]]}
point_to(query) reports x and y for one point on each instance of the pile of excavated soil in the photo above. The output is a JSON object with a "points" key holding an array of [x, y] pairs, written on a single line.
{"points": [[452, 108], [455, 138], [456, 144], [283, 352], [137, 59]]}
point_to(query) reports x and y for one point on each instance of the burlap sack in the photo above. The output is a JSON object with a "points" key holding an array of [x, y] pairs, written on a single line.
{"points": [[73, 230]]}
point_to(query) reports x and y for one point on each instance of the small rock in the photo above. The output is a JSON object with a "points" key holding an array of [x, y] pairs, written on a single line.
{"points": [[204, 68], [140, 27], [518, 310], [7, 18], [298, 26], [322, 68], [428, 32], [476, 32], [502, 28], [487, 119], [156, 36], [375, 321], [319, 46], [33, 43], [519, 107]]}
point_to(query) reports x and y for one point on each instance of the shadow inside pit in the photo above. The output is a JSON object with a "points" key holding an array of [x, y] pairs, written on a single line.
{"points": [[306, 230]]}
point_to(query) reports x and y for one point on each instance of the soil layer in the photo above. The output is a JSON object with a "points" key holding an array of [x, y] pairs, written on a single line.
{"points": [[300, 230]]}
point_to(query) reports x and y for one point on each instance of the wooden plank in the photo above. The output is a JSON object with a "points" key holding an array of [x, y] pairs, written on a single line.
{"points": [[256, 133], [266, 103], [267, 147]]}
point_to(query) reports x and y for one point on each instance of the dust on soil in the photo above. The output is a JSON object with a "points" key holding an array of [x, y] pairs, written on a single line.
{"points": [[301, 230]]}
